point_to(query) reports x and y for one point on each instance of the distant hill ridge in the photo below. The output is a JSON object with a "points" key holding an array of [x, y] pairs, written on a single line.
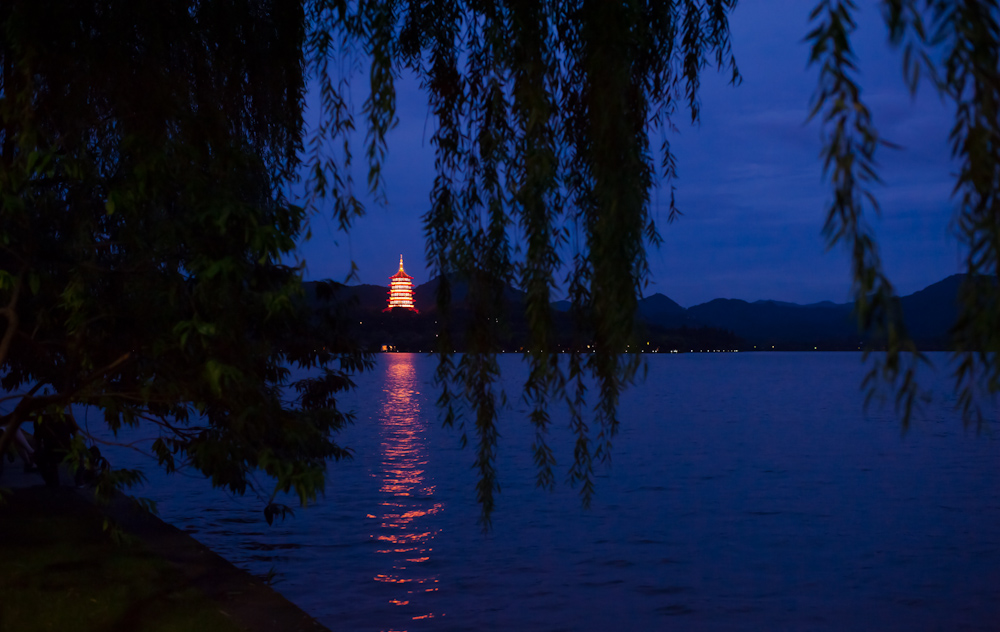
{"points": [[929, 315]]}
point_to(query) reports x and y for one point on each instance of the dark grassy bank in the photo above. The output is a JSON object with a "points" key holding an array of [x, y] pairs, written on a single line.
{"points": [[62, 572]]}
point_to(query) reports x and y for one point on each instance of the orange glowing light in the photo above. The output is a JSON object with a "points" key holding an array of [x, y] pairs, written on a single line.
{"points": [[401, 290]]}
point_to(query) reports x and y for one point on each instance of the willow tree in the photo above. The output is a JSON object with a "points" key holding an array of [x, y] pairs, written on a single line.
{"points": [[144, 153], [144, 148], [955, 47], [551, 124], [551, 129]]}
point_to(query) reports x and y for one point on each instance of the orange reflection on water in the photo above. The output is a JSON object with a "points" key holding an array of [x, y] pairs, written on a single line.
{"points": [[386, 579], [406, 538], [404, 550], [406, 493]]}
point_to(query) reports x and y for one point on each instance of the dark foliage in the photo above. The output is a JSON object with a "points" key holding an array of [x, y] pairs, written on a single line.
{"points": [[143, 148]]}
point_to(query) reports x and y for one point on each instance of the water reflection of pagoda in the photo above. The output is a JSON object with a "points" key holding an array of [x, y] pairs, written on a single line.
{"points": [[400, 290]]}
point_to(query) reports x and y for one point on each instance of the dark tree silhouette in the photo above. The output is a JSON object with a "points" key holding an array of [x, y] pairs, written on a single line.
{"points": [[143, 151]]}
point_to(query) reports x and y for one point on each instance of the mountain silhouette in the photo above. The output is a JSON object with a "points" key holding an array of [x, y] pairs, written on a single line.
{"points": [[663, 311], [928, 314]]}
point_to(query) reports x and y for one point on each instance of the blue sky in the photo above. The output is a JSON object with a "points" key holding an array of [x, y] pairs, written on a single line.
{"points": [[750, 180]]}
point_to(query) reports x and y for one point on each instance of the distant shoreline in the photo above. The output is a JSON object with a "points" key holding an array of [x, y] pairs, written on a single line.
{"points": [[662, 324]]}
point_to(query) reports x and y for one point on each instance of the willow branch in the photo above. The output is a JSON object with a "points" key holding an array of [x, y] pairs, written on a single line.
{"points": [[97, 373], [13, 322], [8, 432], [14, 419]]}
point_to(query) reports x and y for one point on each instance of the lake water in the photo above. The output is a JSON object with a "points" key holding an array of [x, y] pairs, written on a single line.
{"points": [[747, 492]]}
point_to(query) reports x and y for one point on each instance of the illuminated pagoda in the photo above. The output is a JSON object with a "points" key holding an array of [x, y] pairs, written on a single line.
{"points": [[400, 290]]}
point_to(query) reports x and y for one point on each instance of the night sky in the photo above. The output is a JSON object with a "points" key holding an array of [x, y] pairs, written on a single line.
{"points": [[750, 180]]}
